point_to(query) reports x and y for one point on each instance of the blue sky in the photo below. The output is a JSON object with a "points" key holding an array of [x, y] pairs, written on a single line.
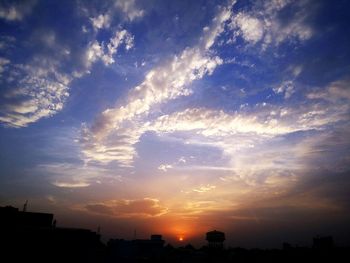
{"points": [[165, 115]]}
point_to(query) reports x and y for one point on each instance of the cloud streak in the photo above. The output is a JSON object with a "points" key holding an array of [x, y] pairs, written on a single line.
{"points": [[39, 86], [166, 82], [139, 208]]}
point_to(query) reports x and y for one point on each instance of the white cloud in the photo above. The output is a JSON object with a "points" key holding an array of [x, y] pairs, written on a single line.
{"points": [[70, 175], [336, 92], [40, 87], [254, 141], [114, 134], [115, 147], [231, 132], [182, 159], [116, 130], [40, 92], [295, 70], [130, 9], [286, 88], [210, 33], [120, 37], [97, 51], [164, 167], [265, 24], [70, 184], [218, 123], [93, 53], [204, 188], [15, 11], [101, 21], [251, 28]]}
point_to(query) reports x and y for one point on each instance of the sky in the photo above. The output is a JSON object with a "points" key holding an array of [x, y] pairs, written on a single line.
{"points": [[179, 117]]}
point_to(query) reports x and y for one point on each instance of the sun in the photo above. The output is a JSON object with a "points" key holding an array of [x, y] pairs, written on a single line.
{"points": [[181, 238]]}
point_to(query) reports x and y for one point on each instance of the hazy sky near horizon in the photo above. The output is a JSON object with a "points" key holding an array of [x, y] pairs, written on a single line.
{"points": [[179, 117]]}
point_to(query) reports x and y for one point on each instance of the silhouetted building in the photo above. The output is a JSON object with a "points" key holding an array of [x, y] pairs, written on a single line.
{"points": [[136, 249], [215, 239], [323, 242], [286, 246], [29, 236], [12, 217]]}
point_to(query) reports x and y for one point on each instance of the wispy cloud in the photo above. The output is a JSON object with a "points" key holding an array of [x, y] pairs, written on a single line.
{"points": [[123, 125], [263, 24], [204, 188], [70, 184], [16, 10], [146, 207], [38, 86], [70, 175], [130, 9], [101, 21], [40, 90], [97, 51]]}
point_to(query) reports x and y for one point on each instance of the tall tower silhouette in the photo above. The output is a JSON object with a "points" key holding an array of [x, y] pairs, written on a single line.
{"points": [[216, 239]]}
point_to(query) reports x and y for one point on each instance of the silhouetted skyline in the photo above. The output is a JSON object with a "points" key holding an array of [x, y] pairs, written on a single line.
{"points": [[37, 237]]}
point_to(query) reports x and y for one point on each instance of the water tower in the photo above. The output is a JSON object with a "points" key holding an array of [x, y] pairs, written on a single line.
{"points": [[216, 239]]}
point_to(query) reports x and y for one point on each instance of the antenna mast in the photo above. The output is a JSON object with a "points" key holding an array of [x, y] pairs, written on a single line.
{"points": [[25, 206]]}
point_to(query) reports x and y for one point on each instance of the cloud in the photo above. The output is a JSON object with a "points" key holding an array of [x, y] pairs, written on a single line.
{"points": [[70, 175], [39, 86], [262, 122], [211, 32], [257, 142], [70, 184], [251, 28], [101, 21], [218, 123], [146, 207], [116, 147], [3, 63], [162, 84], [336, 92], [130, 9], [204, 188], [164, 167], [15, 10], [39, 91], [265, 24], [120, 127], [97, 51], [286, 88]]}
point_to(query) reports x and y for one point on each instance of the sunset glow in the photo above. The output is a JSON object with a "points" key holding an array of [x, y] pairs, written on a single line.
{"points": [[179, 117]]}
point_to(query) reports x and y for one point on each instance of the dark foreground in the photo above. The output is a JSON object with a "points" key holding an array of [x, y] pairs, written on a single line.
{"points": [[34, 237]]}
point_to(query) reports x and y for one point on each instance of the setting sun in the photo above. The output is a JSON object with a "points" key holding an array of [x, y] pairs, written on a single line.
{"points": [[181, 239]]}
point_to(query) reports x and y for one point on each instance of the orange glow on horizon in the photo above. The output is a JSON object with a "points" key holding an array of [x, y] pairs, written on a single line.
{"points": [[178, 230]]}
